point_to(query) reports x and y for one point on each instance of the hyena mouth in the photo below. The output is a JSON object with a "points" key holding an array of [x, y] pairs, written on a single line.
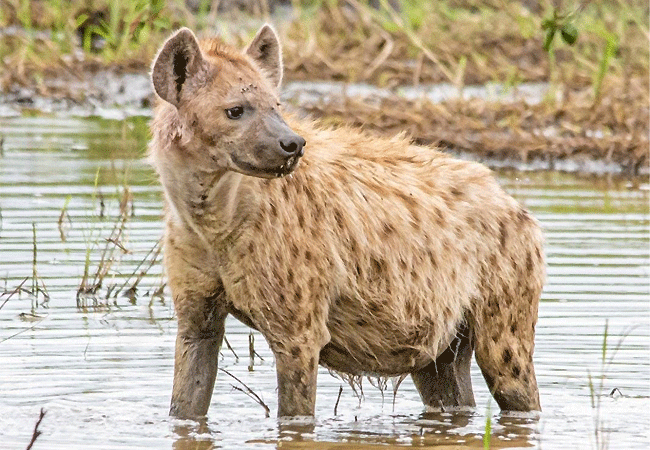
{"points": [[267, 172], [288, 166]]}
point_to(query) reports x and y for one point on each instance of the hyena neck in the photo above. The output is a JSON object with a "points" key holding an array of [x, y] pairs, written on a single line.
{"points": [[214, 205]]}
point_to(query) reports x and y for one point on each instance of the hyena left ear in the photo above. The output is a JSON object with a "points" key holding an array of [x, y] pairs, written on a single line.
{"points": [[177, 62], [266, 52]]}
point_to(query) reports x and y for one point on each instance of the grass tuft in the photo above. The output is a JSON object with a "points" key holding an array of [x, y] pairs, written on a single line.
{"points": [[487, 435], [596, 384]]}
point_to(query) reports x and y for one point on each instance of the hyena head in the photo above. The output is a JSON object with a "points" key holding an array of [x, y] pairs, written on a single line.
{"points": [[226, 103]]}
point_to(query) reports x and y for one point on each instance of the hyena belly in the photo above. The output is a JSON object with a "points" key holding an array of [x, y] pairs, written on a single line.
{"points": [[371, 345], [398, 316]]}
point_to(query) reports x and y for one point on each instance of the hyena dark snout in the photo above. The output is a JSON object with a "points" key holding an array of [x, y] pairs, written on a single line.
{"points": [[272, 150], [289, 144], [281, 148]]}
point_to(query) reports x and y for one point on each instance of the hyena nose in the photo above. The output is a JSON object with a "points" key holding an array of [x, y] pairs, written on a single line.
{"points": [[293, 145]]}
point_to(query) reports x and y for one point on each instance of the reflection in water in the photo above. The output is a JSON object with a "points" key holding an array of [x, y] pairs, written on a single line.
{"points": [[297, 429], [518, 428], [194, 435], [429, 430]]}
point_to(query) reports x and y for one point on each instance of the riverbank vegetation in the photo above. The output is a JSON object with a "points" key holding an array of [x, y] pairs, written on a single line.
{"points": [[592, 54]]}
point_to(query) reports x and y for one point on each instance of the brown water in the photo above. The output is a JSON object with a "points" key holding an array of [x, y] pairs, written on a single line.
{"points": [[102, 367]]}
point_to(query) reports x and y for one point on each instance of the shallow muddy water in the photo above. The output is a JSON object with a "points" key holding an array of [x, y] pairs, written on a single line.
{"points": [[101, 365]]}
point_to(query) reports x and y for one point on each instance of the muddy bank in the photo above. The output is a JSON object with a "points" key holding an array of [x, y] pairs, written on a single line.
{"points": [[112, 95], [518, 127], [502, 126]]}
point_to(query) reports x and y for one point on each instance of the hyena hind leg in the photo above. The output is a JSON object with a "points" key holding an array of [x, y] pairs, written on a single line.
{"points": [[446, 382], [506, 362]]}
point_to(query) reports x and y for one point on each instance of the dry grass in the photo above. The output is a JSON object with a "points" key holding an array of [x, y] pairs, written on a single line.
{"points": [[458, 41], [614, 130], [464, 42]]}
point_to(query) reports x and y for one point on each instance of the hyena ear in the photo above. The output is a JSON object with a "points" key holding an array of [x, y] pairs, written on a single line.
{"points": [[177, 61], [266, 52]]}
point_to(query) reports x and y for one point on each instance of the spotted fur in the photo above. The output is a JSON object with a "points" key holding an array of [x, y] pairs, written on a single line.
{"points": [[369, 256]]}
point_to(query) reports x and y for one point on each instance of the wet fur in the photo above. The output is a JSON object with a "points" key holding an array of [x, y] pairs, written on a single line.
{"points": [[373, 256]]}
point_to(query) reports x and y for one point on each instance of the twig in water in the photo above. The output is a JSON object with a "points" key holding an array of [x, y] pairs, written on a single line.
{"points": [[62, 216], [155, 251], [251, 351], [614, 391], [34, 272], [35, 278], [230, 348], [248, 391], [36, 433], [159, 291], [336, 405], [118, 245], [12, 293], [102, 205], [23, 330]]}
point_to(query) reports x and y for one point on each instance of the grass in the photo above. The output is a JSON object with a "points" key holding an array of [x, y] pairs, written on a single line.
{"points": [[102, 279], [38, 289], [465, 42], [92, 232], [458, 41], [487, 435], [38, 285], [597, 388]]}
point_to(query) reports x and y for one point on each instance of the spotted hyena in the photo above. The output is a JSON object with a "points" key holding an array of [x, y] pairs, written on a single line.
{"points": [[368, 256]]}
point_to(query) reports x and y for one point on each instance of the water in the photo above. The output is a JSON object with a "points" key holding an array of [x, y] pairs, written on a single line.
{"points": [[102, 367]]}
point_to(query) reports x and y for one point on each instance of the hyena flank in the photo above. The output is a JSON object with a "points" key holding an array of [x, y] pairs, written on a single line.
{"points": [[368, 256]]}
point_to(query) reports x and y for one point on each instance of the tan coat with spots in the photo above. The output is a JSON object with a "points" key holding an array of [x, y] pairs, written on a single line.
{"points": [[365, 255]]}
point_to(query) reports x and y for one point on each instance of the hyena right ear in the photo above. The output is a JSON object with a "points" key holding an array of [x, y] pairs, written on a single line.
{"points": [[267, 53], [177, 61]]}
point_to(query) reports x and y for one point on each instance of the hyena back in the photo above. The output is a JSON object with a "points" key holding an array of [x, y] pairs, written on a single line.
{"points": [[368, 256]]}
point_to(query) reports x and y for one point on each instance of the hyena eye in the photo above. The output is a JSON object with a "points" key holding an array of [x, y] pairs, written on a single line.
{"points": [[235, 112]]}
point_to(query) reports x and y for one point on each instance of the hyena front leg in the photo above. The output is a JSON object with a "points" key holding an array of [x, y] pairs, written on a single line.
{"points": [[447, 382], [196, 358], [201, 308]]}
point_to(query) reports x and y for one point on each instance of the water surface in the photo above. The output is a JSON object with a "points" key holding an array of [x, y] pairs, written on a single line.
{"points": [[101, 365]]}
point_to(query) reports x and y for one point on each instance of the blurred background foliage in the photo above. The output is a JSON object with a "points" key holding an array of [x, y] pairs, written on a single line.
{"points": [[591, 56], [385, 42]]}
